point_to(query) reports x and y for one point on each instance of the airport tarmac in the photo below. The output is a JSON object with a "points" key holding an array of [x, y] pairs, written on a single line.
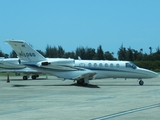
{"points": [[54, 99]]}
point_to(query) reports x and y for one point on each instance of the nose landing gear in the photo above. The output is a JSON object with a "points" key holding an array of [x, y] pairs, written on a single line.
{"points": [[141, 82]]}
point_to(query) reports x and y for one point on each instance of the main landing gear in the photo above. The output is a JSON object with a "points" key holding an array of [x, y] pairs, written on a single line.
{"points": [[33, 77], [83, 82], [141, 82]]}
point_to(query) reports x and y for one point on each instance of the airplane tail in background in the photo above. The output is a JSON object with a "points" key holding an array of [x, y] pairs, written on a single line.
{"points": [[24, 51]]}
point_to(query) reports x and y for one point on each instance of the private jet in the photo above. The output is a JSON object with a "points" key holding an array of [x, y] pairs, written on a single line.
{"points": [[13, 65], [81, 71]]}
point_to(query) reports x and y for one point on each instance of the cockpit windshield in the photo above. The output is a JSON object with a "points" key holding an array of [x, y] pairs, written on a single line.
{"points": [[131, 65]]}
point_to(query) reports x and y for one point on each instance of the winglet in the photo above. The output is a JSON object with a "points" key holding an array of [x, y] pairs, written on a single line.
{"points": [[24, 51]]}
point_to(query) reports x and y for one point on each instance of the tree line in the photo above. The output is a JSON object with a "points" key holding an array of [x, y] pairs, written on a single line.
{"points": [[149, 61]]}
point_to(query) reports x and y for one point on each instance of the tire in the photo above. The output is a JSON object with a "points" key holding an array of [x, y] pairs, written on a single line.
{"points": [[80, 82], [25, 78], [34, 77], [141, 82]]}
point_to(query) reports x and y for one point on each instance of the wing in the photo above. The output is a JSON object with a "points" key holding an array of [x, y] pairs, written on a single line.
{"points": [[25, 70], [88, 75]]}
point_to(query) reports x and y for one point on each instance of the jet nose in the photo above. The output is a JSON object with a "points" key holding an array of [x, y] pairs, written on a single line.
{"points": [[152, 74], [148, 73], [155, 74]]}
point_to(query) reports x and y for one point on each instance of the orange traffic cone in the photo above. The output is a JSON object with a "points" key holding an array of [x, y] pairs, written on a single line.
{"points": [[8, 80]]}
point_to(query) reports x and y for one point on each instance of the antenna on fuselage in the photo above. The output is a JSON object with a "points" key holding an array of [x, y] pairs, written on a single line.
{"points": [[79, 58]]}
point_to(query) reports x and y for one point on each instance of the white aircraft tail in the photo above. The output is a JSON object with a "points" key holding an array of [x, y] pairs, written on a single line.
{"points": [[24, 51]]}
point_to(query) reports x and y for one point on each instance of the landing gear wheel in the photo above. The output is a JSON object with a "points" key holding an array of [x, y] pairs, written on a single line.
{"points": [[25, 77], [141, 82], [85, 84], [34, 77], [80, 82]]}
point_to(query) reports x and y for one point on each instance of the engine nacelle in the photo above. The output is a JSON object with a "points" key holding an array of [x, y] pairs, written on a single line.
{"points": [[57, 62]]}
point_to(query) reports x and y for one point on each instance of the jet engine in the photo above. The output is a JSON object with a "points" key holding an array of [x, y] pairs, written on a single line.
{"points": [[57, 62]]}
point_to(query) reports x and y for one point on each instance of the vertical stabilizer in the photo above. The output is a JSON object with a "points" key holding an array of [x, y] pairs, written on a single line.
{"points": [[24, 51]]}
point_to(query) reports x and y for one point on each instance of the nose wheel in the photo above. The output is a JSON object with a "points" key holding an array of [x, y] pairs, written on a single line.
{"points": [[141, 82]]}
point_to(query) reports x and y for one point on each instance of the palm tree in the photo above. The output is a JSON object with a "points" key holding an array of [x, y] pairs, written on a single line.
{"points": [[141, 50], [150, 50]]}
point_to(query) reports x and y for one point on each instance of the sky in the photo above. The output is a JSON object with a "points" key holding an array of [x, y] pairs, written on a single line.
{"points": [[81, 23]]}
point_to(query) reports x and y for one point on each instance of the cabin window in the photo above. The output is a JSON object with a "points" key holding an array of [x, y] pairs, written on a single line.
{"points": [[89, 64], [100, 65], [117, 65], [106, 65], [95, 64], [111, 65]]}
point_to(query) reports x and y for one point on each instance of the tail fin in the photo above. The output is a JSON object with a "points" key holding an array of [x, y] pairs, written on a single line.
{"points": [[24, 51]]}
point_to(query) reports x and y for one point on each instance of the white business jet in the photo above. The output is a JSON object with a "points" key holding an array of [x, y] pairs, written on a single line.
{"points": [[12, 65], [78, 70]]}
